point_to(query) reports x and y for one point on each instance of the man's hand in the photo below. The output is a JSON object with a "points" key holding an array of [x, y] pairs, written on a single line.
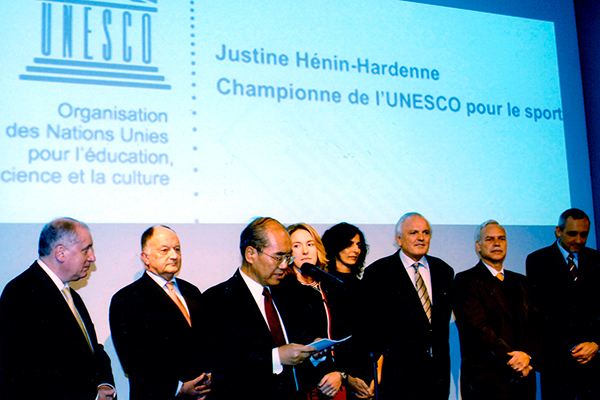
{"points": [[330, 384], [197, 388], [584, 352], [519, 361], [322, 353], [526, 371], [360, 388], [106, 392], [294, 354]]}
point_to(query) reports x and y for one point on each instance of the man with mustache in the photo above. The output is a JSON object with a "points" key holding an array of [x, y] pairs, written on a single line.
{"points": [[497, 323]]}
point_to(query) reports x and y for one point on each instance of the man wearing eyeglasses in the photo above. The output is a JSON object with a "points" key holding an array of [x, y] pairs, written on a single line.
{"points": [[497, 323], [245, 331]]}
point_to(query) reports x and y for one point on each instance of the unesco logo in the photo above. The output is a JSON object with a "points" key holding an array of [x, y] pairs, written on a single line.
{"points": [[97, 43]]}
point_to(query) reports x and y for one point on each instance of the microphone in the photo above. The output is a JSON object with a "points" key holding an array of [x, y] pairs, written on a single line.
{"points": [[319, 275]]}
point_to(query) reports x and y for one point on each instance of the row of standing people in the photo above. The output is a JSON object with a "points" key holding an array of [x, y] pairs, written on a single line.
{"points": [[246, 337]]}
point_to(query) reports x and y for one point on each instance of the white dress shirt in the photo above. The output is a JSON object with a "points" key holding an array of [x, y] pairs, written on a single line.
{"points": [[423, 270], [60, 285], [493, 270], [257, 293]]}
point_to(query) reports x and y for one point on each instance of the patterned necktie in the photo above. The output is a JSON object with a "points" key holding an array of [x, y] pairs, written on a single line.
{"points": [[422, 292], [273, 319], [500, 276], [178, 302], [572, 266], [67, 294]]}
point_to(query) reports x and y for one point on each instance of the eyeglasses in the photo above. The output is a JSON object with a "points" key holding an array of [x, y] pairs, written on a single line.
{"points": [[288, 259]]}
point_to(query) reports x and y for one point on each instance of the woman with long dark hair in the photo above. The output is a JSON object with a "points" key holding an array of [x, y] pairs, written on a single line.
{"points": [[346, 251]]}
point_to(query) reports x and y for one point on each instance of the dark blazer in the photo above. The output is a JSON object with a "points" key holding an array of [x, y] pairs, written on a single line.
{"points": [[570, 310], [42, 348], [240, 343], [401, 331], [155, 344], [493, 319], [309, 322]]}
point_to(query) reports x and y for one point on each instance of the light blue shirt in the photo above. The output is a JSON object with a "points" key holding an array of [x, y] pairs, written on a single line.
{"points": [[565, 254]]}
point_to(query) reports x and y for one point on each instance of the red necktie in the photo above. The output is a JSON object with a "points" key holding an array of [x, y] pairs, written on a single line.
{"points": [[273, 319]]}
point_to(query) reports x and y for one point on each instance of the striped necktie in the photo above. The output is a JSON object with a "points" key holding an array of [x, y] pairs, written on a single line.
{"points": [[572, 266], [422, 292]]}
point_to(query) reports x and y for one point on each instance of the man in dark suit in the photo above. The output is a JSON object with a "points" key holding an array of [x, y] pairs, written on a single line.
{"points": [[564, 278], [48, 345], [155, 322], [497, 323], [245, 331], [409, 298]]}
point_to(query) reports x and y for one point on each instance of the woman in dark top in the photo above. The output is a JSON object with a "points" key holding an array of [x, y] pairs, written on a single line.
{"points": [[346, 251], [307, 301]]}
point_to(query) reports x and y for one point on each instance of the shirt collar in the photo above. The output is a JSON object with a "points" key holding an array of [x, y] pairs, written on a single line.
{"points": [[493, 270], [160, 281], [409, 262], [57, 281], [255, 288], [565, 253]]}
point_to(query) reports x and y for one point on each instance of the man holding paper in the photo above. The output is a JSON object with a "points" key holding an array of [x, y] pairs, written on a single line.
{"points": [[246, 329]]}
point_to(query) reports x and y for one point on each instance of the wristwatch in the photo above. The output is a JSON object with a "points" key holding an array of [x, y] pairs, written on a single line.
{"points": [[344, 376]]}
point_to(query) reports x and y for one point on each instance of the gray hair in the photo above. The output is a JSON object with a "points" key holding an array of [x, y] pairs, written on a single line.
{"points": [[58, 232], [404, 218], [480, 228]]}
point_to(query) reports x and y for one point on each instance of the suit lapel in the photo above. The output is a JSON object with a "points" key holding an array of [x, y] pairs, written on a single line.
{"points": [[561, 270], [406, 289], [437, 287], [522, 300], [252, 313], [586, 263], [85, 316], [54, 296], [162, 300], [189, 300], [492, 285]]}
